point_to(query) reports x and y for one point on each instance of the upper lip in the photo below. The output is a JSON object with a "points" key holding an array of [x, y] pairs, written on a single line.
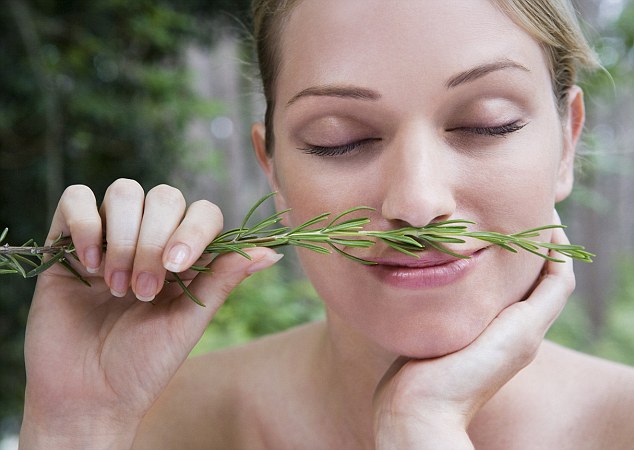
{"points": [[427, 258]]}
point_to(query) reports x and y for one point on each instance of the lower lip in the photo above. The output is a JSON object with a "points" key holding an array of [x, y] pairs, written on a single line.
{"points": [[425, 277]]}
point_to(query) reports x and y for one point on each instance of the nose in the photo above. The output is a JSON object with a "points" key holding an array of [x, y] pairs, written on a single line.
{"points": [[419, 180]]}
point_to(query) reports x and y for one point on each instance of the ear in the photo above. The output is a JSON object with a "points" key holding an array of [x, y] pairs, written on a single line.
{"points": [[267, 163], [572, 128]]}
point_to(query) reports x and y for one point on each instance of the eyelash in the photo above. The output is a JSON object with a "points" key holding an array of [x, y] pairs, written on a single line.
{"points": [[337, 150], [499, 131], [340, 150]]}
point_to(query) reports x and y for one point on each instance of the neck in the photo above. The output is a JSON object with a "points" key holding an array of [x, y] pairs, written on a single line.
{"points": [[350, 368]]}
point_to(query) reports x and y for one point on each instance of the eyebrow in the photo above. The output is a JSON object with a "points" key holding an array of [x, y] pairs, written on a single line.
{"points": [[484, 69], [359, 93], [352, 92]]}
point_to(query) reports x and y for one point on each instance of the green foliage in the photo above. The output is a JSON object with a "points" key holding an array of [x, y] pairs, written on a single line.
{"points": [[616, 342], [267, 302], [90, 91]]}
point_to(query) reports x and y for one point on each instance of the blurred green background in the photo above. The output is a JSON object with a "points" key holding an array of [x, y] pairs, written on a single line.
{"points": [[165, 91]]}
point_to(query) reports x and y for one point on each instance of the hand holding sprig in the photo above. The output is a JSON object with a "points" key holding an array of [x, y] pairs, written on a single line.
{"points": [[430, 403], [97, 359]]}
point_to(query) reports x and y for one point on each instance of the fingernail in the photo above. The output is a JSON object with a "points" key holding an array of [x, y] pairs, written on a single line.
{"points": [[177, 256], [119, 282], [267, 261], [92, 257], [145, 288]]}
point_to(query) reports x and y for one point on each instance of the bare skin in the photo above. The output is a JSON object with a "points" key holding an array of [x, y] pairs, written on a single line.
{"points": [[445, 361], [555, 403]]}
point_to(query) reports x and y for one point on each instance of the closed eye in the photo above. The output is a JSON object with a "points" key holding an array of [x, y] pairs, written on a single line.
{"points": [[338, 150], [500, 131]]}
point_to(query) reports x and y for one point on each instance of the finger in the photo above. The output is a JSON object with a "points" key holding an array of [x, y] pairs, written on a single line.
{"points": [[513, 338], [122, 210], [555, 287], [213, 288], [77, 216], [164, 208], [201, 224], [516, 334]]}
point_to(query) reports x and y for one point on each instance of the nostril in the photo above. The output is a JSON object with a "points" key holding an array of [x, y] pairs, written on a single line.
{"points": [[417, 210]]}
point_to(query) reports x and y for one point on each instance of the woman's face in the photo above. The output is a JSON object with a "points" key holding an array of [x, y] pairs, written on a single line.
{"points": [[425, 111]]}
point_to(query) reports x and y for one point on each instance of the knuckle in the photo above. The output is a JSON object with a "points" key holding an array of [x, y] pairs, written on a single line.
{"points": [[168, 195], [77, 192], [83, 223], [210, 211], [122, 247], [571, 283], [529, 350], [151, 247], [124, 188], [199, 232]]}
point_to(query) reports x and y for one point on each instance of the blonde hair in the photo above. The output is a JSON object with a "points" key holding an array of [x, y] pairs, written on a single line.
{"points": [[552, 23]]}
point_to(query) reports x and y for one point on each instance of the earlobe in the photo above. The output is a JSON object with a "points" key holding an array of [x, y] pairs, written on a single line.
{"points": [[573, 127], [258, 140]]}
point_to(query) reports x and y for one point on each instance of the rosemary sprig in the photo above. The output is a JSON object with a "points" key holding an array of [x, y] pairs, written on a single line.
{"points": [[321, 234]]}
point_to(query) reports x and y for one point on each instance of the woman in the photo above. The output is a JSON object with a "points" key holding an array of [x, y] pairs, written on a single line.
{"points": [[425, 111]]}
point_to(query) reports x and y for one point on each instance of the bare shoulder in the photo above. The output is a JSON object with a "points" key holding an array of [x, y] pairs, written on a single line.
{"points": [[211, 401], [564, 400], [601, 391]]}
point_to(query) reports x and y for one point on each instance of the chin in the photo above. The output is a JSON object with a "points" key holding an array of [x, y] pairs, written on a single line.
{"points": [[442, 332], [437, 343]]}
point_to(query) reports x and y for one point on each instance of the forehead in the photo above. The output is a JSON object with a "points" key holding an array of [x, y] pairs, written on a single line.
{"points": [[370, 42]]}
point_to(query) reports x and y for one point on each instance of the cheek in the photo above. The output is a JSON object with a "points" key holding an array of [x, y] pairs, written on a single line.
{"points": [[516, 191], [311, 186]]}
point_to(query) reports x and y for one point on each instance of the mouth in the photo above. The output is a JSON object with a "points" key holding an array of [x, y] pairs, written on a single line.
{"points": [[432, 269]]}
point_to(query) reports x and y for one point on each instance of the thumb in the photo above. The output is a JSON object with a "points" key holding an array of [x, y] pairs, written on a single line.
{"points": [[213, 287]]}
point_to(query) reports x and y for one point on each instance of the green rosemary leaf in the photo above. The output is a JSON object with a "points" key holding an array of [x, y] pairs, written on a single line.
{"points": [[312, 237], [27, 243], [3, 235], [358, 243], [227, 234], [309, 223], [349, 225], [404, 239], [28, 261], [348, 212], [352, 257], [401, 249], [274, 232], [442, 239], [533, 232], [59, 239], [254, 208], [533, 249], [18, 267], [506, 247], [266, 223], [45, 265], [313, 247], [186, 290], [229, 247], [72, 270], [444, 249]]}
